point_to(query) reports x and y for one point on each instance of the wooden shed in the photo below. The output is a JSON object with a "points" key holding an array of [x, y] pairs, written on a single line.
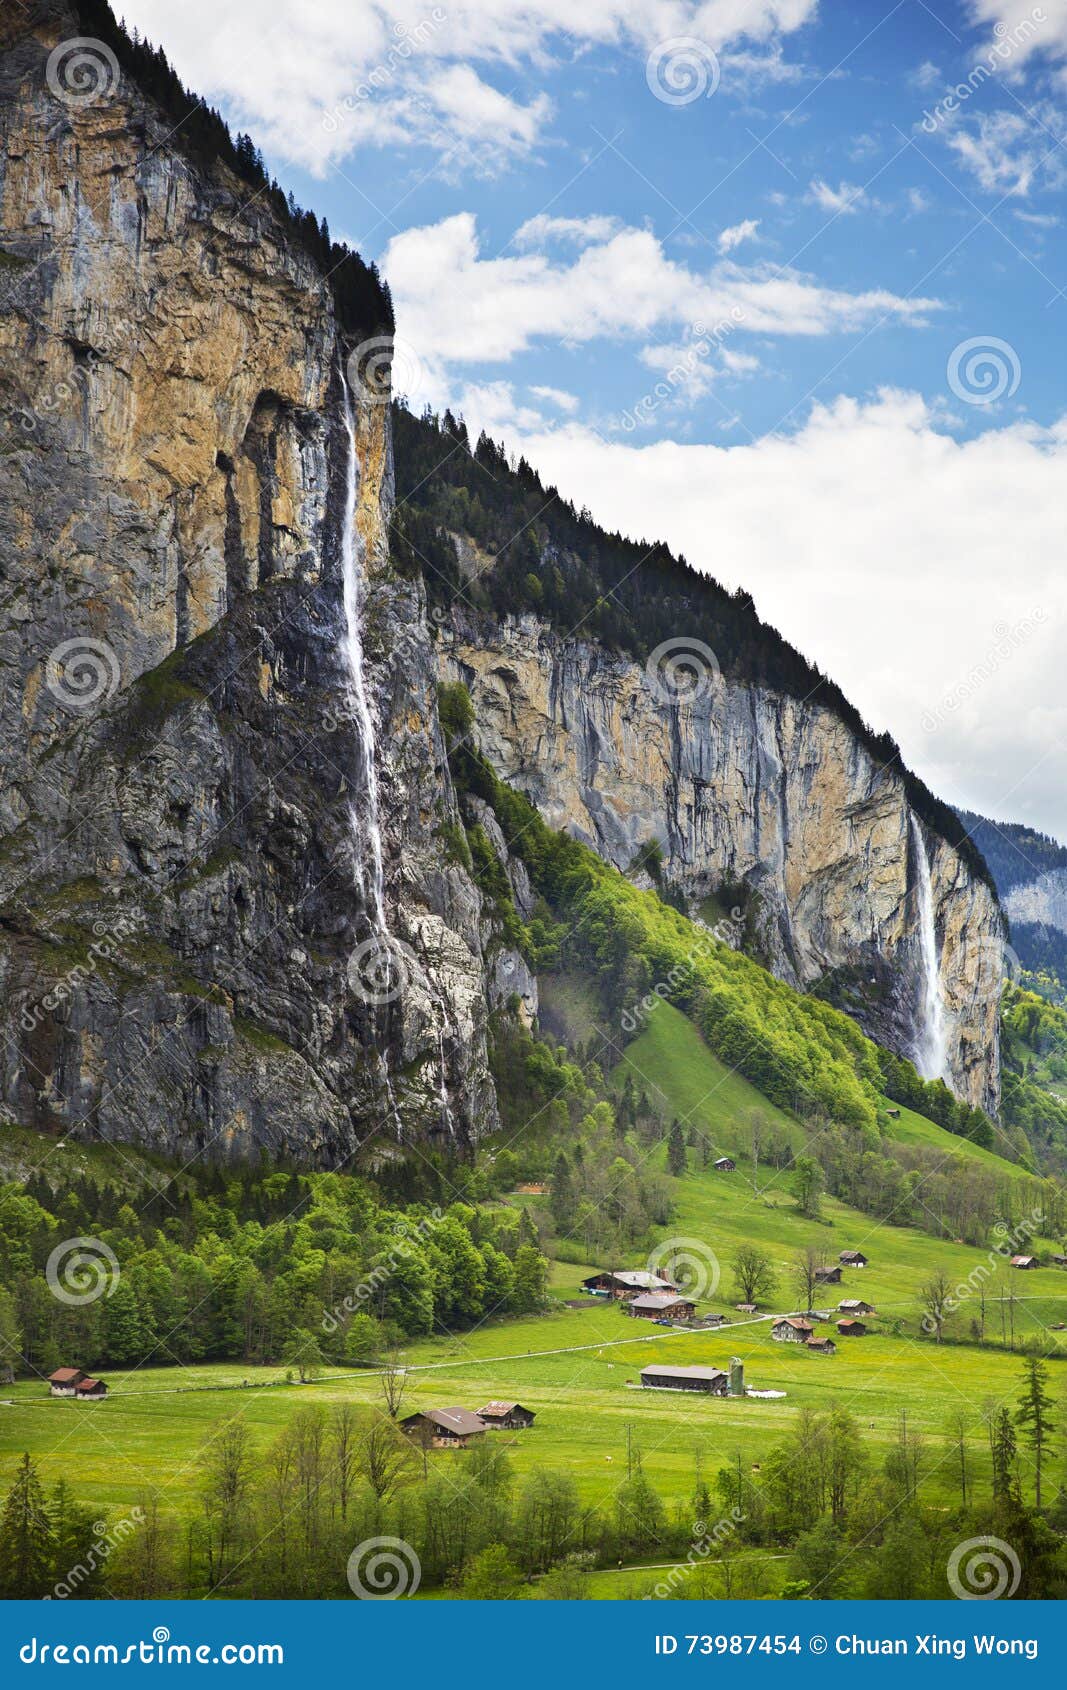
{"points": [[506, 1416], [853, 1258], [724, 1165], [828, 1276], [90, 1390], [661, 1305], [64, 1381], [443, 1428], [712, 1380], [627, 1282], [851, 1328]]}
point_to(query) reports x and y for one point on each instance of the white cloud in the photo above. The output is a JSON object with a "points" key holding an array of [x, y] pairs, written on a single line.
{"points": [[919, 200], [1039, 219], [925, 76], [1020, 31], [738, 232], [559, 397], [456, 307], [1000, 151], [841, 201], [314, 83], [578, 231], [908, 563]]}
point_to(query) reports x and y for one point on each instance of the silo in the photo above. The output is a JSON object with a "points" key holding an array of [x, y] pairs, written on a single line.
{"points": [[737, 1377]]}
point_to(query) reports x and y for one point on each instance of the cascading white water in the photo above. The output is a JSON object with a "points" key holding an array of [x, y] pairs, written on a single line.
{"points": [[365, 823], [390, 961], [931, 1045]]}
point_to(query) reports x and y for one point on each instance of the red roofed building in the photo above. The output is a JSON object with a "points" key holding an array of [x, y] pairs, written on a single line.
{"points": [[64, 1381]]}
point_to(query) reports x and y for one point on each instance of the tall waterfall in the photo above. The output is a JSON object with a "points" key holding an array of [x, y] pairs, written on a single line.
{"points": [[383, 962], [365, 823], [931, 1044]]}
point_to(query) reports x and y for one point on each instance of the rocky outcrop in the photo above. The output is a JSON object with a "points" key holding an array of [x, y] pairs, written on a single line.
{"points": [[770, 799], [185, 955]]}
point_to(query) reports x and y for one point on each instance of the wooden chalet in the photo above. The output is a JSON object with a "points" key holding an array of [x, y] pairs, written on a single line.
{"points": [[828, 1276], [712, 1380], [852, 1259], [745, 1308], [792, 1329], [90, 1390], [506, 1416], [821, 1346], [1024, 1261], [851, 1328], [1060, 1261], [625, 1282], [724, 1165], [854, 1306], [443, 1428], [64, 1381], [661, 1305]]}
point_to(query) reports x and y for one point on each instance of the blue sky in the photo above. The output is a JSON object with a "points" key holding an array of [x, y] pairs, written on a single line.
{"points": [[800, 317]]}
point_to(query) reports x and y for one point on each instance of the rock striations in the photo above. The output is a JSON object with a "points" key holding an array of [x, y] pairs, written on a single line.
{"points": [[189, 954]]}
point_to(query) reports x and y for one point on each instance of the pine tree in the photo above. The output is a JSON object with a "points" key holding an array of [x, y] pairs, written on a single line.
{"points": [[1034, 1415], [26, 1538], [1003, 1447]]}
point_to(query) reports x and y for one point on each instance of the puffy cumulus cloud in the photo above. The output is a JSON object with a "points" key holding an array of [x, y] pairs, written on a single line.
{"points": [[1016, 31], [922, 571], [314, 83], [456, 306], [738, 232]]}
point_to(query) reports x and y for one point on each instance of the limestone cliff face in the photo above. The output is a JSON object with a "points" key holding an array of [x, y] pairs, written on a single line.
{"points": [[745, 787], [180, 904]]}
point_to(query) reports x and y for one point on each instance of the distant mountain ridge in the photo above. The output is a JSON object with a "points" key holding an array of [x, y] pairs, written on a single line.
{"points": [[1030, 872]]}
